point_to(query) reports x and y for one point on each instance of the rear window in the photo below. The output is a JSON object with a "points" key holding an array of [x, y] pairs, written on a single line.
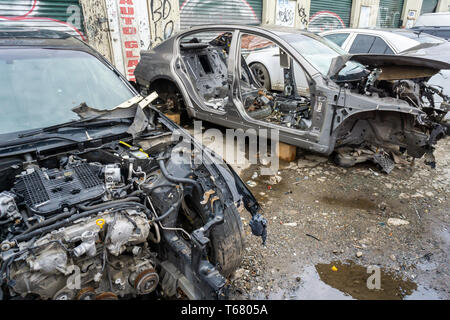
{"points": [[370, 44]]}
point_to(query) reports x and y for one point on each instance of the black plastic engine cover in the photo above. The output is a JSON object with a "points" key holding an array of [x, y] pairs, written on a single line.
{"points": [[49, 191]]}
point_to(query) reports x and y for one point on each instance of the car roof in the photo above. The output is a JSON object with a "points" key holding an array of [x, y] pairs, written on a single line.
{"points": [[21, 37], [271, 28], [371, 30]]}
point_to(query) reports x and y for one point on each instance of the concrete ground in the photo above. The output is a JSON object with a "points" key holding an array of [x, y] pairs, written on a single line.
{"points": [[328, 224]]}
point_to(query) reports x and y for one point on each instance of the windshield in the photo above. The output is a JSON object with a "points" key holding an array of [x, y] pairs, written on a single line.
{"points": [[319, 52], [39, 87]]}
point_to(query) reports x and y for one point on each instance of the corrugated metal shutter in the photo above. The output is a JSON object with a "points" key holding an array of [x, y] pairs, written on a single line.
{"points": [[329, 15], [390, 13], [61, 15], [197, 12], [429, 6]]}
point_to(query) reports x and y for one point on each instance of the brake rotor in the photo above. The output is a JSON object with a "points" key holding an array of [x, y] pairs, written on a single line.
{"points": [[146, 281]]}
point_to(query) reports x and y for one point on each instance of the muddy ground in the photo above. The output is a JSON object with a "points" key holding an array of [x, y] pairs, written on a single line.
{"points": [[328, 224]]}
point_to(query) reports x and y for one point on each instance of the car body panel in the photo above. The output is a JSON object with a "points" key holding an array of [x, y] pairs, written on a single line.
{"points": [[330, 106]]}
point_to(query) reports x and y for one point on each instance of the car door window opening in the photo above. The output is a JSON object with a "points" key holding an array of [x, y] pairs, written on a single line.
{"points": [[205, 56], [283, 95]]}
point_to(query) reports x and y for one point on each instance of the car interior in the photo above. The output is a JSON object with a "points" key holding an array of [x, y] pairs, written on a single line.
{"points": [[206, 58]]}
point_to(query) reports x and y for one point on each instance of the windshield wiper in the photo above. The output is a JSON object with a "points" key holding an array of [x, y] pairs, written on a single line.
{"points": [[21, 141], [84, 123]]}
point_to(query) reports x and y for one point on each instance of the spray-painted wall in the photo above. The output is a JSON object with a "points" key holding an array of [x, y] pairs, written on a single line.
{"points": [[61, 15], [133, 25]]}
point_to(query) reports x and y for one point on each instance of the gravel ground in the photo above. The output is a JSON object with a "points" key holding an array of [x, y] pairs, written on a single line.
{"points": [[327, 224]]}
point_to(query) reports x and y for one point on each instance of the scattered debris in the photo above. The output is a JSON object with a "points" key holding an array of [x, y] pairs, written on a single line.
{"points": [[310, 235], [397, 222], [290, 224], [359, 254], [251, 183], [275, 179]]}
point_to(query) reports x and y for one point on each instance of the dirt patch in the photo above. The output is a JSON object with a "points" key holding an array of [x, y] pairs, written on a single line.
{"points": [[322, 214]]}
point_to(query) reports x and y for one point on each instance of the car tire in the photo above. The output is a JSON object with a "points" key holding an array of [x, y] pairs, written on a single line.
{"points": [[228, 242], [261, 74], [342, 161]]}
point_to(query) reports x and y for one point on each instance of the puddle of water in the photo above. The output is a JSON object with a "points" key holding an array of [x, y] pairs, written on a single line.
{"points": [[354, 203], [349, 281]]}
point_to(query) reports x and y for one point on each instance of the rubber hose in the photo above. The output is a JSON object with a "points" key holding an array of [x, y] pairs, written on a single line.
{"points": [[171, 178]]}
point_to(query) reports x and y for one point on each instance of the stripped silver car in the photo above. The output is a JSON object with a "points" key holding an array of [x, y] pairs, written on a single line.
{"points": [[378, 105]]}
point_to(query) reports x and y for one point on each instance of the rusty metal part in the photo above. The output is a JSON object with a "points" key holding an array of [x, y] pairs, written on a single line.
{"points": [[206, 196], [212, 203], [106, 296], [87, 293], [146, 281]]}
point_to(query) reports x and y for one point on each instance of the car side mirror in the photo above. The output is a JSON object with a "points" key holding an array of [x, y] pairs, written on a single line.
{"points": [[285, 62]]}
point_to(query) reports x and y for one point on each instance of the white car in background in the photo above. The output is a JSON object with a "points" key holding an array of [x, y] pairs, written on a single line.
{"points": [[390, 41], [382, 41], [265, 62]]}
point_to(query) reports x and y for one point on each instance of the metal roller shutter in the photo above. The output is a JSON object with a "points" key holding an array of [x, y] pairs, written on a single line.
{"points": [[389, 13], [329, 15], [196, 12], [429, 6], [61, 15]]}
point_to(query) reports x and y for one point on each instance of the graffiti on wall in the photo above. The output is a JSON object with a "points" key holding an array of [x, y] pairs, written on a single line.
{"points": [[325, 20], [163, 19], [388, 18], [31, 17], [130, 37], [303, 17]]}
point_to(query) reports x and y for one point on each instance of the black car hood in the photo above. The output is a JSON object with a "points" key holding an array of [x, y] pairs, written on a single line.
{"points": [[409, 60], [440, 52]]}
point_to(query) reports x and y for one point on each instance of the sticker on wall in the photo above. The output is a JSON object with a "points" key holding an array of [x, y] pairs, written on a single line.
{"points": [[285, 15]]}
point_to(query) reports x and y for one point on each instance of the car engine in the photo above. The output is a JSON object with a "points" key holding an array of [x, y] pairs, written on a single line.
{"points": [[112, 222], [78, 233]]}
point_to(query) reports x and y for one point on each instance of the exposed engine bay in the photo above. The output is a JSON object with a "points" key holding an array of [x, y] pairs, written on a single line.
{"points": [[384, 137], [120, 220]]}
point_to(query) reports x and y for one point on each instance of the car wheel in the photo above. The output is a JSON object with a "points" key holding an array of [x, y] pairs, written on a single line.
{"points": [[227, 240], [261, 74]]}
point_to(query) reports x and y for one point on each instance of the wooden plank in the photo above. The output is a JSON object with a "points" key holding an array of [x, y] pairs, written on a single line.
{"points": [[286, 152], [175, 117]]}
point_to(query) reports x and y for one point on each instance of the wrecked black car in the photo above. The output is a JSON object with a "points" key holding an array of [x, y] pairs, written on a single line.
{"points": [[362, 107], [114, 204]]}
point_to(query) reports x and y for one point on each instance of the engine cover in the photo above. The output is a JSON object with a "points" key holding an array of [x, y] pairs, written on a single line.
{"points": [[48, 191]]}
